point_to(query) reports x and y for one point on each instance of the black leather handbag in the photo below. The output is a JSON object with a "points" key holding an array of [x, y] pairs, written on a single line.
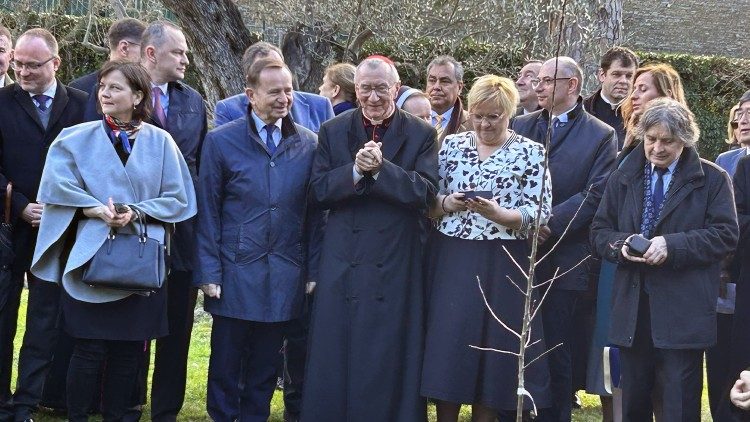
{"points": [[131, 262]]}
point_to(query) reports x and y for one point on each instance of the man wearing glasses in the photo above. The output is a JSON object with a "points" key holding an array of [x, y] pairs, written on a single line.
{"points": [[582, 153], [124, 38], [33, 111], [375, 171]]}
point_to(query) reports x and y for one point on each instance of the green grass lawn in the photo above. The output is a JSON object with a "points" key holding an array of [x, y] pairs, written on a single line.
{"points": [[195, 396]]}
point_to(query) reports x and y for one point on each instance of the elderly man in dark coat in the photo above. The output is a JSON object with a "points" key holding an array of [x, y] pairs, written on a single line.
{"points": [[253, 236], [376, 171], [581, 156], [664, 300]]}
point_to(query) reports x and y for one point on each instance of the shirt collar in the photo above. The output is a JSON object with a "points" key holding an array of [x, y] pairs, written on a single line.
{"points": [[260, 124], [2, 80], [611, 104], [670, 167], [163, 87], [50, 91], [446, 115], [563, 117]]}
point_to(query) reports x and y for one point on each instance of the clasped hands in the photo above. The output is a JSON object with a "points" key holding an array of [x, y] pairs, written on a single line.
{"points": [[369, 158], [109, 215], [655, 255]]}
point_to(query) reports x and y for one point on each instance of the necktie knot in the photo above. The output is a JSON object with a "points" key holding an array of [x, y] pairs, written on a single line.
{"points": [[269, 137], [41, 101], [661, 171]]}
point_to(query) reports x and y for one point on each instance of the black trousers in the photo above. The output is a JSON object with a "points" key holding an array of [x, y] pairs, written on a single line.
{"points": [[679, 373], [170, 359], [10, 299], [242, 369], [84, 377], [558, 312], [718, 373], [37, 349], [295, 356]]}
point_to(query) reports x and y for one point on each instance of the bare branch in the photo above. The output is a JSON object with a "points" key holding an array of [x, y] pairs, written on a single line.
{"points": [[540, 356], [489, 349], [515, 262], [562, 236], [516, 285], [492, 312], [566, 271]]}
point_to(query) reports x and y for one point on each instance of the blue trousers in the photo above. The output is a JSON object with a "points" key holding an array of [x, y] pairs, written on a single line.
{"points": [[242, 370]]}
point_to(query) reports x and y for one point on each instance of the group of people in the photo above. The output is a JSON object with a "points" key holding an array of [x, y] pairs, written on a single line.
{"points": [[379, 235]]}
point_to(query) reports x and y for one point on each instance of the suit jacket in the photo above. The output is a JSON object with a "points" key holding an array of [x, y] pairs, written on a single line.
{"points": [[581, 156], [23, 149], [604, 112], [698, 222], [186, 122], [308, 110], [458, 123], [87, 84], [728, 160]]}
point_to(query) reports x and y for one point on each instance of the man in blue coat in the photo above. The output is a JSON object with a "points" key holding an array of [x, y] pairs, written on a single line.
{"points": [[257, 242], [308, 110], [581, 155]]}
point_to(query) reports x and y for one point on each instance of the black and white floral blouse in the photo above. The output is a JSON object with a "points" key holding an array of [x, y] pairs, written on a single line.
{"points": [[514, 175]]}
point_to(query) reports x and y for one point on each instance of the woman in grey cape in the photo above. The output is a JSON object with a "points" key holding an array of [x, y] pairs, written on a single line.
{"points": [[89, 167]]}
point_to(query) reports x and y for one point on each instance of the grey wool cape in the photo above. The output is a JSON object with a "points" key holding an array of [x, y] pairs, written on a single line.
{"points": [[83, 170]]}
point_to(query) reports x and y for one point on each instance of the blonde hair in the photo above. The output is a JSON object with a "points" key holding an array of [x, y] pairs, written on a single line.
{"points": [[342, 74], [731, 140], [667, 82], [494, 90]]}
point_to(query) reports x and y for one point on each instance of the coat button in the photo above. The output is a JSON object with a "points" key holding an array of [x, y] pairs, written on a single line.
{"points": [[273, 208], [272, 164]]}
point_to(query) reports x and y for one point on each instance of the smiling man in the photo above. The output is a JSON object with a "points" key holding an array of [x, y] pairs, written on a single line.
{"points": [[618, 65], [375, 171], [179, 110], [34, 110]]}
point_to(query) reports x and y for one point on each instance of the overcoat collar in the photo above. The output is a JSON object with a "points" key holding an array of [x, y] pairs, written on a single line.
{"points": [[559, 134], [289, 134], [688, 176], [393, 139], [58, 105]]}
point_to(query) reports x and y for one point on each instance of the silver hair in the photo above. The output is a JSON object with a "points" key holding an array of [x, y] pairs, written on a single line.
{"points": [[374, 63], [674, 116], [458, 68], [568, 68]]}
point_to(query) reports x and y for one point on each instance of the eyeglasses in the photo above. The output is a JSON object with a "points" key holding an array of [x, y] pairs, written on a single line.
{"points": [[491, 118], [379, 90], [17, 66], [545, 81], [739, 115]]}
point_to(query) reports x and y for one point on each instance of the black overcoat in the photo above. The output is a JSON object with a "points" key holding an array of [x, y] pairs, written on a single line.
{"points": [[581, 156], [699, 224], [367, 329]]}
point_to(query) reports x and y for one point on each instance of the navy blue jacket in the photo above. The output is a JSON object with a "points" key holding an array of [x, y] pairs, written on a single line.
{"points": [[23, 149], [581, 156], [254, 226], [88, 84], [308, 110]]}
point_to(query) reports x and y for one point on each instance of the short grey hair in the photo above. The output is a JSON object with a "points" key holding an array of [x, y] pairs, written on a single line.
{"points": [[374, 63], [744, 98], [674, 116], [568, 68], [155, 34], [458, 68]]}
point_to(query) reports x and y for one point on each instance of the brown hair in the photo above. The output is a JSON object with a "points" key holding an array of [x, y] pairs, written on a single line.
{"points": [[127, 29], [138, 80], [342, 74], [46, 36], [668, 83], [253, 75]]}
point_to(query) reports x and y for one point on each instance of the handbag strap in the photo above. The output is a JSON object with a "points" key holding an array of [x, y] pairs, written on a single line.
{"points": [[8, 194]]}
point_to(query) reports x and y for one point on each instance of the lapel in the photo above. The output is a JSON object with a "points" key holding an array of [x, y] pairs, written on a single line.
{"points": [[176, 101], [24, 100], [633, 168], [559, 134], [357, 135], [8, 80], [289, 135], [58, 105]]}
